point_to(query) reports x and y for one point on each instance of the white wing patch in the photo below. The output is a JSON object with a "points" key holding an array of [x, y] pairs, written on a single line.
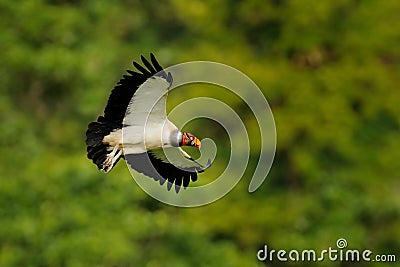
{"points": [[148, 103]]}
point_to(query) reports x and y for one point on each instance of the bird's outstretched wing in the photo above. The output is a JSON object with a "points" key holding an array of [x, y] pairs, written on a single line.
{"points": [[179, 158], [148, 104], [115, 109], [162, 171], [123, 92]]}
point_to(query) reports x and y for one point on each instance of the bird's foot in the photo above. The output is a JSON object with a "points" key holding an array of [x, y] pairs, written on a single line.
{"points": [[111, 158]]}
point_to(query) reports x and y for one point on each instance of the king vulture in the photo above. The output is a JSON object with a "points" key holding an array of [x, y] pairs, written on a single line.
{"points": [[144, 142]]}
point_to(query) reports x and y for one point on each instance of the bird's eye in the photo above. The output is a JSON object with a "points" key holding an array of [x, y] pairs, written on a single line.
{"points": [[192, 143]]}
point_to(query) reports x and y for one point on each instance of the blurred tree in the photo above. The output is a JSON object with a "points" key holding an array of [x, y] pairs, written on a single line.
{"points": [[329, 70]]}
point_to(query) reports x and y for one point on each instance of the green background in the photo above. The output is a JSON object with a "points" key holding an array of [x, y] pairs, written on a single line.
{"points": [[329, 69]]}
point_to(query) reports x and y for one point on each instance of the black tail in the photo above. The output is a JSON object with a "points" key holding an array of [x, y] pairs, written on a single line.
{"points": [[96, 149]]}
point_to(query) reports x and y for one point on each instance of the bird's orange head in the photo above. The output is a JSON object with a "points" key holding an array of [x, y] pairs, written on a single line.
{"points": [[189, 139]]}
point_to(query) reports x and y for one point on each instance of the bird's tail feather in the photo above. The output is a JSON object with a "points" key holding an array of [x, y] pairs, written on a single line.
{"points": [[96, 149]]}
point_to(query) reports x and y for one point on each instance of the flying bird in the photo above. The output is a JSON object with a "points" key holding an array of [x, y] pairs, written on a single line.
{"points": [[135, 127]]}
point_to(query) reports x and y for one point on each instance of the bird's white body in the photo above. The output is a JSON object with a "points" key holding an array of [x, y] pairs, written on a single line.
{"points": [[136, 139]]}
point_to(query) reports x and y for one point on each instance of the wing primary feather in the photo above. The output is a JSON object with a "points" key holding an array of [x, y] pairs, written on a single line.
{"points": [[169, 185], [193, 176], [162, 181], [148, 65], [141, 69], [178, 183], [186, 180], [133, 73], [177, 188], [169, 78], [165, 76], [155, 62]]}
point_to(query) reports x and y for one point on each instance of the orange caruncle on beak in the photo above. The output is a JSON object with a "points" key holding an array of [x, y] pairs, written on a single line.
{"points": [[189, 139], [197, 142]]}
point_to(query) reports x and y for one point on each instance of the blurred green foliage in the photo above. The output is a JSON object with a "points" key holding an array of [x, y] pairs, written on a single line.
{"points": [[329, 69]]}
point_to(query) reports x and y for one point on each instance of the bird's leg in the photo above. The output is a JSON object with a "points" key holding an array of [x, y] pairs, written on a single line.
{"points": [[111, 155], [111, 158], [109, 166]]}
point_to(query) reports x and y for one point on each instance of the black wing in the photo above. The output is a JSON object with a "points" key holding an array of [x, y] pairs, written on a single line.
{"points": [[162, 171], [126, 88], [116, 107]]}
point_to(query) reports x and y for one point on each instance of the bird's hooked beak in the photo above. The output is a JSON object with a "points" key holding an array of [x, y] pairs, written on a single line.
{"points": [[189, 139], [197, 142]]}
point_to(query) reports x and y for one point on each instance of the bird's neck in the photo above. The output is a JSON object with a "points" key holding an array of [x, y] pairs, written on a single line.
{"points": [[175, 138]]}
